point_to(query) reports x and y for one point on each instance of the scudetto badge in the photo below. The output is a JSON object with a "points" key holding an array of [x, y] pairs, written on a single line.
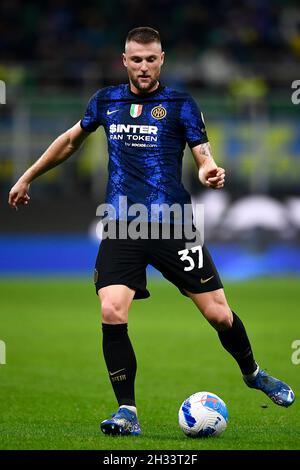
{"points": [[136, 110], [159, 112]]}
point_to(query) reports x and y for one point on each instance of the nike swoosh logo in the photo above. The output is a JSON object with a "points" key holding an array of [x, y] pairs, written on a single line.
{"points": [[111, 112], [204, 281], [116, 371]]}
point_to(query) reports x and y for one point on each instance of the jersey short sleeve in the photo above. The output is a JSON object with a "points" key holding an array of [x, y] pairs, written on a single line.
{"points": [[90, 121], [193, 123]]}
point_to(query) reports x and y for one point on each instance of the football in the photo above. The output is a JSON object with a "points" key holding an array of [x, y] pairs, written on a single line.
{"points": [[203, 414]]}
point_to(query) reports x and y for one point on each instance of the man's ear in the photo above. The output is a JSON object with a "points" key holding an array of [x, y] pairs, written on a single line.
{"points": [[162, 57], [124, 59]]}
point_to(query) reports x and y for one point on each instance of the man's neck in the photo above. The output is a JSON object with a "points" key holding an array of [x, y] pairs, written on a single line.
{"points": [[136, 91]]}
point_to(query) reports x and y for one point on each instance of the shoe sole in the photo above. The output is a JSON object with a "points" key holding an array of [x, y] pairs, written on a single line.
{"points": [[111, 429]]}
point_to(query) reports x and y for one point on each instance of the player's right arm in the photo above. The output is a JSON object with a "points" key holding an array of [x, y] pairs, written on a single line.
{"points": [[59, 151]]}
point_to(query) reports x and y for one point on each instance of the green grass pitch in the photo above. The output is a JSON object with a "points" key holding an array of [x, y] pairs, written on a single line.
{"points": [[55, 389]]}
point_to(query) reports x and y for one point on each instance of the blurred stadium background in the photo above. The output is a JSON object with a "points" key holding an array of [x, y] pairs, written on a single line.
{"points": [[238, 62]]}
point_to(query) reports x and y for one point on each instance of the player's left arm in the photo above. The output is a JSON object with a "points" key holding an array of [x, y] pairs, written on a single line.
{"points": [[209, 173]]}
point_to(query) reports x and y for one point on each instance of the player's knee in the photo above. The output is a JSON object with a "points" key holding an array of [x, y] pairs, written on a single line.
{"points": [[219, 316], [113, 312]]}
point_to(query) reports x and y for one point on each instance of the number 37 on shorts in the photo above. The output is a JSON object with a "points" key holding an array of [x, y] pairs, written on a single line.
{"points": [[185, 257]]}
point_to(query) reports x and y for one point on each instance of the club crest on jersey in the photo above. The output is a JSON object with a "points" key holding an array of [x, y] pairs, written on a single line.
{"points": [[159, 112], [136, 110]]}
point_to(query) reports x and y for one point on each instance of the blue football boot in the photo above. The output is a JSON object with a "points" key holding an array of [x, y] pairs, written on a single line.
{"points": [[122, 423], [278, 391]]}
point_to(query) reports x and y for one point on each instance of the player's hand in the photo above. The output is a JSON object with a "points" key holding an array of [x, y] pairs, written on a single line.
{"points": [[212, 176], [19, 195]]}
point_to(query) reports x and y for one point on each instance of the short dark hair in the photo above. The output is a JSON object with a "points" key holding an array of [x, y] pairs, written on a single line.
{"points": [[143, 35]]}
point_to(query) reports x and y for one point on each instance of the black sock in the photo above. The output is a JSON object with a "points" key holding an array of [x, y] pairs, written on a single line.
{"points": [[120, 361], [236, 342]]}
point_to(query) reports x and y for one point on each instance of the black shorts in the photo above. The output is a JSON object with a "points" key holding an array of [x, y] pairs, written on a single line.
{"points": [[124, 262]]}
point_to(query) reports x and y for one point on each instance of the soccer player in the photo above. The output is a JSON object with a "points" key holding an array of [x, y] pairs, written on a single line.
{"points": [[147, 127]]}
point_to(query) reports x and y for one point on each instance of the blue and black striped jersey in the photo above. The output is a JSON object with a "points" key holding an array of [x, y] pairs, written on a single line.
{"points": [[146, 137]]}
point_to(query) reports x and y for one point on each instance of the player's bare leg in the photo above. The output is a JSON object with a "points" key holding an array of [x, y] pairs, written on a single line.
{"points": [[214, 307], [120, 358], [115, 303], [234, 339]]}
